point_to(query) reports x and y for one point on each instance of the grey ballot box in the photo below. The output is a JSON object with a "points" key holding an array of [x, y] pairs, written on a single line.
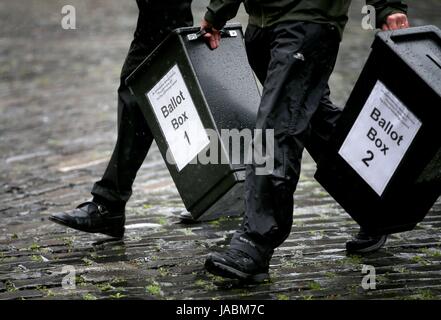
{"points": [[184, 88], [384, 167]]}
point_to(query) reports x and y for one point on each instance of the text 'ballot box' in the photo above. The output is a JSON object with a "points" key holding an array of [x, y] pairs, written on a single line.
{"points": [[384, 167], [186, 90]]}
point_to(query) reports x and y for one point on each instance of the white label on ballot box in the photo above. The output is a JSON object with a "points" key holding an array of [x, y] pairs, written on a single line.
{"points": [[379, 138], [178, 118]]}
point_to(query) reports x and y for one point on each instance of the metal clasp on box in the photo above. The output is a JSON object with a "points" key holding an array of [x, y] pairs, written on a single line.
{"points": [[195, 36], [192, 36]]}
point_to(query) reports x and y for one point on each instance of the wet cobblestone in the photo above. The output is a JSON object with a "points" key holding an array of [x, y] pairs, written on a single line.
{"points": [[57, 129]]}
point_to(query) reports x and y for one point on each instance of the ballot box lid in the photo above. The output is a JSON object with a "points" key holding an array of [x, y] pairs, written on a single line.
{"points": [[419, 48], [191, 33]]}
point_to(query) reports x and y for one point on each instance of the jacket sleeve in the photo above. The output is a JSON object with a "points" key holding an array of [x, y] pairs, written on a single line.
{"points": [[220, 11], [385, 8]]}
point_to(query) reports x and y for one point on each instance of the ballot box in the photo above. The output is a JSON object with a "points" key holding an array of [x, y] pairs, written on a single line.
{"points": [[192, 97], [384, 167]]}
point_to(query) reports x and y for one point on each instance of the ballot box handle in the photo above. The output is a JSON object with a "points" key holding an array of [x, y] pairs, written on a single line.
{"points": [[200, 34]]}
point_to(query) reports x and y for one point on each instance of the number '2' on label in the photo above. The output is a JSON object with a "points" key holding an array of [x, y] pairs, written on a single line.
{"points": [[379, 138]]}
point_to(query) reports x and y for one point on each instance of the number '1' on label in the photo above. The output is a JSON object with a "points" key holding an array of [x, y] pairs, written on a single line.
{"points": [[178, 117]]}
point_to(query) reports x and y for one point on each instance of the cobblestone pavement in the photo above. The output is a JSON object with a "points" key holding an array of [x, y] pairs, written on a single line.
{"points": [[57, 129]]}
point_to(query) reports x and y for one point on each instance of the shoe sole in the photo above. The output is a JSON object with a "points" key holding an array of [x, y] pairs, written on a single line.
{"points": [[372, 248], [187, 218], [114, 232], [225, 271]]}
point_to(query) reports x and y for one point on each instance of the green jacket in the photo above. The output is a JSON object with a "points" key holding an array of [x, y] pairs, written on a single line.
{"points": [[264, 13]]}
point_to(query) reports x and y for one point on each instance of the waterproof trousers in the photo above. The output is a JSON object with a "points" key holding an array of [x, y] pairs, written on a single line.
{"points": [[293, 61]]}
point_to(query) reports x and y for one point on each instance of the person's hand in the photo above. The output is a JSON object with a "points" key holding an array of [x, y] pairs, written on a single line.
{"points": [[212, 36], [396, 21]]}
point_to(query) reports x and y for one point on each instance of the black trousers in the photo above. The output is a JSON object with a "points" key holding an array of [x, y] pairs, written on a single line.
{"points": [[156, 19], [294, 62]]}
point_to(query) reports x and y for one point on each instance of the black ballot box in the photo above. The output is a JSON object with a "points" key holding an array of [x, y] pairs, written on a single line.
{"points": [[384, 166], [192, 97]]}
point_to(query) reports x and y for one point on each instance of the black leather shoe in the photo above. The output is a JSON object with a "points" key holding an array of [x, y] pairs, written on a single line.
{"points": [[185, 217], [94, 218], [365, 243], [236, 264]]}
